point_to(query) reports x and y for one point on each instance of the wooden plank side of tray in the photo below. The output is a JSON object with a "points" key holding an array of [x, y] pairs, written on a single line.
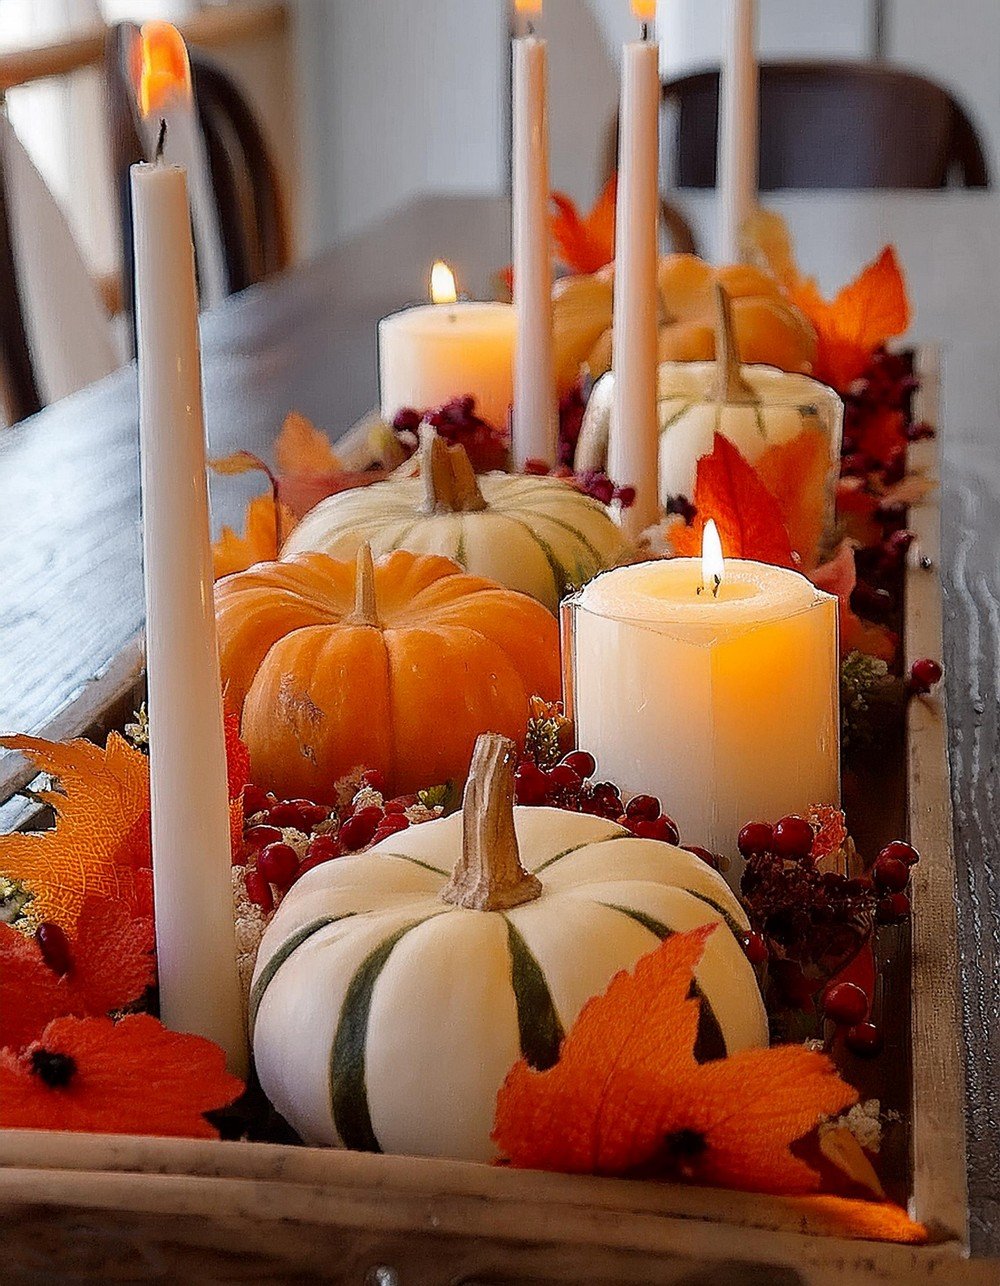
{"points": [[940, 1189]]}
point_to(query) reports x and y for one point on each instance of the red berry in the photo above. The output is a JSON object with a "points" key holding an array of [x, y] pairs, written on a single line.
{"points": [[277, 864], [710, 859], [845, 1004], [322, 847], [661, 828], [259, 891], [392, 823], [858, 887], [754, 948], [902, 851], [925, 674], [254, 800], [360, 829], [375, 779], [313, 815], [755, 838], [893, 909], [891, 874], [864, 1040], [582, 762], [793, 837], [309, 864], [54, 946], [257, 836], [642, 808], [530, 784], [286, 813], [565, 777]]}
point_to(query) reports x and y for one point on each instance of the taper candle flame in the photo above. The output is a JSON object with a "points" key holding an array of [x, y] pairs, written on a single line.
{"points": [[644, 10], [164, 71], [713, 565], [530, 7], [443, 290]]}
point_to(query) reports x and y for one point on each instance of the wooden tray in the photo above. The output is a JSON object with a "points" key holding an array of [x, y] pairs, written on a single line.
{"points": [[106, 1207]]}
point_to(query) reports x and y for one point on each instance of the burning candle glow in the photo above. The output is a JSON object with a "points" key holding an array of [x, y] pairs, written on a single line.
{"points": [[633, 445], [189, 799], [446, 349], [534, 423], [723, 704], [162, 74]]}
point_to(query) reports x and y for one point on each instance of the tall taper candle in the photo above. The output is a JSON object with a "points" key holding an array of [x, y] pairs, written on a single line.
{"points": [[634, 434], [195, 932], [739, 129], [534, 426]]}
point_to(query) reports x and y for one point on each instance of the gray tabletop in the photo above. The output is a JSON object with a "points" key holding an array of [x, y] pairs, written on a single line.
{"points": [[70, 571]]}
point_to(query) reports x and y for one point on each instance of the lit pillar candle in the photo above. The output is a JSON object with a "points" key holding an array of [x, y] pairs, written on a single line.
{"points": [[634, 433], [433, 353], [534, 424], [739, 129], [192, 884], [722, 704], [165, 93]]}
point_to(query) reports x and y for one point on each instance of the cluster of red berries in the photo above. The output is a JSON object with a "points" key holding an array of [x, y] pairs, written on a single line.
{"points": [[592, 483], [811, 923], [567, 785], [458, 423], [887, 385], [277, 864]]}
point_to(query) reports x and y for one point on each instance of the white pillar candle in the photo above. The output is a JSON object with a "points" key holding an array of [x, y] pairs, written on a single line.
{"points": [[739, 130], [431, 354], [165, 94], [192, 884], [726, 707], [534, 424], [634, 433]]}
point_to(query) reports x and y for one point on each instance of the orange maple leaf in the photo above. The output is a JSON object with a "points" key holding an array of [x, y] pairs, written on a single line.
{"points": [[303, 448], [799, 474], [585, 243], [864, 1220], [111, 965], [260, 542], [129, 1077], [100, 845], [747, 515], [628, 1097]]}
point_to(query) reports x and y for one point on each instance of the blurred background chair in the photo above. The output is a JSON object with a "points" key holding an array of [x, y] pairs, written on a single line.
{"points": [[834, 125], [246, 189]]}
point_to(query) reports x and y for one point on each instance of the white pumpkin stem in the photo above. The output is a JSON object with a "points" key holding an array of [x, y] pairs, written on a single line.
{"points": [[489, 876], [365, 611], [731, 387], [450, 484]]}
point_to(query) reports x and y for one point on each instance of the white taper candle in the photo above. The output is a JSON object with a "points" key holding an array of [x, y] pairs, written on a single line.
{"points": [[634, 434], [192, 884], [739, 129], [534, 425]]}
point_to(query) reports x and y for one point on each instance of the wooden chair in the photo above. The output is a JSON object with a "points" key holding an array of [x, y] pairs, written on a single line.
{"points": [[245, 184], [834, 125]]}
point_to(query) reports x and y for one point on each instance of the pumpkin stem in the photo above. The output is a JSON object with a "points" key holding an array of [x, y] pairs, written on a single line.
{"points": [[489, 875], [731, 387], [365, 612], [450, 484]]}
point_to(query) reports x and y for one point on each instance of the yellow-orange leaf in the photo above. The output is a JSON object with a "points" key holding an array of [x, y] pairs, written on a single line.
{"points": [[100, 844], [862, 1220], [798, 474], [585, 243], [231, 466], [302, 448], [628, 1097], [261, 542]]}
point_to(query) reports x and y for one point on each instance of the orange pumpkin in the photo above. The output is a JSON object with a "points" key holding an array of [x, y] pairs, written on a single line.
{"points": [[769, 329], [397, 665]]}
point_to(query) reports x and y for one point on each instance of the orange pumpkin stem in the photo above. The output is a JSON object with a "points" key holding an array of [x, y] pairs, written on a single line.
{"points": [[365, 610], [731, 386], [489, 875], [450, 484]]}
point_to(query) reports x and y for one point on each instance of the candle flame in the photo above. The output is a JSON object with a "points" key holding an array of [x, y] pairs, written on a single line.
{"points": [[644, 10], [528, 6], [713, 565], [443, 289], [164, 69]]}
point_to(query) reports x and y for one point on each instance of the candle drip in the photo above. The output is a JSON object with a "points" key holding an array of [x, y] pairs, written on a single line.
{"points": [[161, 139]]}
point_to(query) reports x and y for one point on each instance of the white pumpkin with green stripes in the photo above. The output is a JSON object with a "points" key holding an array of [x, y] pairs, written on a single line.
{"points": [[536, 535], [394, 990]]}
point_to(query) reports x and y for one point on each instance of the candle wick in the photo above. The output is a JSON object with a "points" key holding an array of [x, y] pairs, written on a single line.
{"points": [[645, 31], [529, 27], [716, 586], [161, 139]]}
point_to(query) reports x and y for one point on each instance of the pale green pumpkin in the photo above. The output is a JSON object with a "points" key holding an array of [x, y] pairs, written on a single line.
{"points": [[394, 990]]}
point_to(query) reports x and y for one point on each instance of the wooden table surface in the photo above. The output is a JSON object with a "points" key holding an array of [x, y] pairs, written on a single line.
{"points": [[71, 586]]}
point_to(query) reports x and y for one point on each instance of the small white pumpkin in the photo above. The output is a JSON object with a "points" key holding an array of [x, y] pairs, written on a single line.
{"points": [[536, 535], [394, 990]]}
